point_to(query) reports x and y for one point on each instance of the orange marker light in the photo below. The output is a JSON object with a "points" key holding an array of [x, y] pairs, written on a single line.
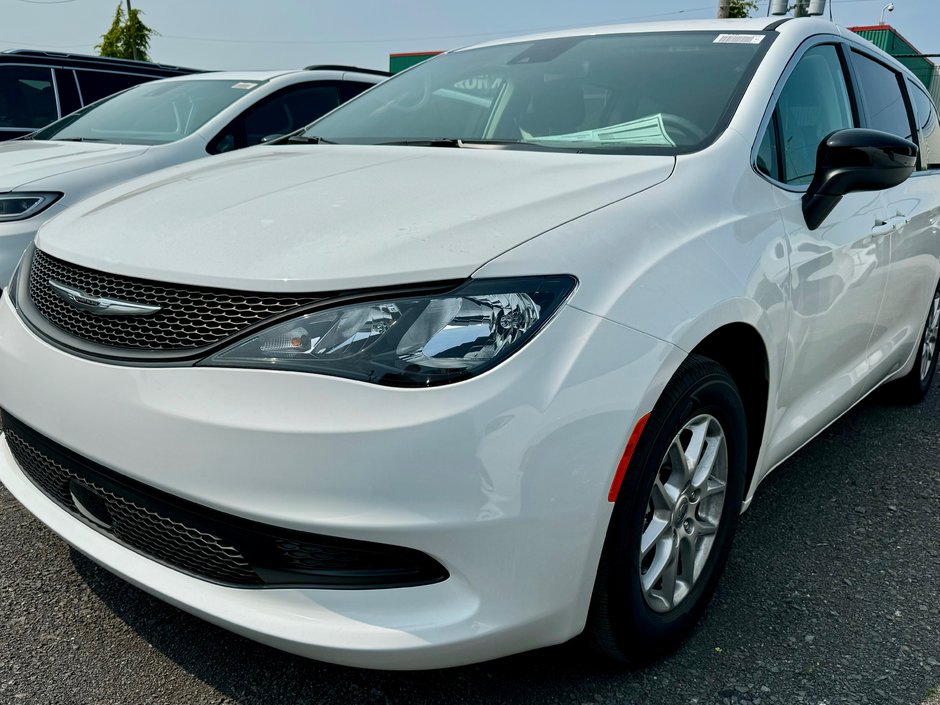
{"points": [[625, 460]]}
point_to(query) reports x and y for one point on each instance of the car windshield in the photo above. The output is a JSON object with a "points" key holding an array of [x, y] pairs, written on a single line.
{"points": [[663, 92], [151, 113]]}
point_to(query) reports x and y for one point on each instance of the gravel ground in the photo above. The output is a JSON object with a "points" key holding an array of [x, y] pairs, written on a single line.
{"points": [[832, 595]]}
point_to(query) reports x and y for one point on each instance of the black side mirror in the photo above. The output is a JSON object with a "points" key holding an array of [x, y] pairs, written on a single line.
{"points": [[855, 160]]}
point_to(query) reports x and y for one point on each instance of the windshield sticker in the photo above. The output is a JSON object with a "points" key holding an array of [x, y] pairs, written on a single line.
{"points": [[649, 130], [739, 39], [245, 86]]}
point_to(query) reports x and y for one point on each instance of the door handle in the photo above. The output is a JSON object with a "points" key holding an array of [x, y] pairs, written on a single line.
{"points": [[885, 227]]}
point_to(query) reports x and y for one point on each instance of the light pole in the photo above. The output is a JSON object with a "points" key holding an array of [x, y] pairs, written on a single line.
{"points": [[887, 8], [134, 46]]}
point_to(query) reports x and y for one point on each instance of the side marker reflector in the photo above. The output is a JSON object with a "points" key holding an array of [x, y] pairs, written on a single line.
{"points": [[625, 460]]}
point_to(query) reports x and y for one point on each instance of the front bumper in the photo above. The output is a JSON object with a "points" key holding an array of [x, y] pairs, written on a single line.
{"points": [[15, 237], [502, 479]]}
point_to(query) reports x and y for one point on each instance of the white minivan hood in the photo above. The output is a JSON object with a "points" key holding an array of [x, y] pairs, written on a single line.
{"points": [[333, 217], [23, 162]]}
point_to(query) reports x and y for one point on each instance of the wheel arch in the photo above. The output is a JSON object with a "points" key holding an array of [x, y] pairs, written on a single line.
{"points": [[740, 349]]}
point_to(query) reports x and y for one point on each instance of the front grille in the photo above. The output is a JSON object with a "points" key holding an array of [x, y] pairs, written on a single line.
{"points": [[204, 542], [190, 317]]}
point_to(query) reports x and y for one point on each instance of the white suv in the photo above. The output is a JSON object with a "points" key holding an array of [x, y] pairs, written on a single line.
{"points": [[153, 126], [492, 355]]}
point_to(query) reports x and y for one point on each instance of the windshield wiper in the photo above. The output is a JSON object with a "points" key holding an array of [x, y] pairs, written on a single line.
{"points": [[473, 144], [304, 139], [443, 142], [77, 139]]}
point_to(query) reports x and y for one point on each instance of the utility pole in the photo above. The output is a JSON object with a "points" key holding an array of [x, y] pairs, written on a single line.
{"points": [[724, 9], [133, 46]]}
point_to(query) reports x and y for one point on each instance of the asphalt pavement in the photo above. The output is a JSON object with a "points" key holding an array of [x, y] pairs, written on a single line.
{"points": [[831, 597]]}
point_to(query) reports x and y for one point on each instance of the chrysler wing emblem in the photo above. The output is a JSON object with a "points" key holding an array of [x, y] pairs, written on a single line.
{"points": [[101, 306]]}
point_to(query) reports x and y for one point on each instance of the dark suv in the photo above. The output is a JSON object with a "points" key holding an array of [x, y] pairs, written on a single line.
{"points": [[38, 87]]}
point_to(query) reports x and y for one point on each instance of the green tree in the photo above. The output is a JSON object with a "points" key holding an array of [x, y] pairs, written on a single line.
{"points": [[127, 38], [742, 8]]}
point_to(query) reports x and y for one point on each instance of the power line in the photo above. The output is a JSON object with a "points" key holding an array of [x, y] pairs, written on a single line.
{"points": [[427, 38], [17, 42]]}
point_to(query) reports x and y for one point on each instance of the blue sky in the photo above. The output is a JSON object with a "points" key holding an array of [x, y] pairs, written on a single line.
{"points": [[273, 34]]}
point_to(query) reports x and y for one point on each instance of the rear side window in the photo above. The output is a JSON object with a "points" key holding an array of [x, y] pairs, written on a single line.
{"points": [[98, 84], [925, 115], [67, 86], [351, 89], [284, 112], [289, 111], [27, 97], [814, 103], [881, 93]]}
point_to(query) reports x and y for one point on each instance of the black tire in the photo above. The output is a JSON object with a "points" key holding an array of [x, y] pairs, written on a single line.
{"points": [[621, 624], [914, 386]]}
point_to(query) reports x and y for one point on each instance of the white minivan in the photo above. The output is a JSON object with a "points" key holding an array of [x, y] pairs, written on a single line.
{"points": [[153, 126], [491, 356]]}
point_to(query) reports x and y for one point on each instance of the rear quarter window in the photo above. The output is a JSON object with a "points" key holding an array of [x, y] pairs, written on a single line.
{"points": [[27, 97], [925, 116]]}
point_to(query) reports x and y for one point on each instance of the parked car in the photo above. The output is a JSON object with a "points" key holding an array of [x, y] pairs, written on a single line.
{"points": [[153, 126], [494, 354], [37, 87]]}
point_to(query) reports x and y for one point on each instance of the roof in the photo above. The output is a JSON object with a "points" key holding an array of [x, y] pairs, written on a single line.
{"points": [[754, 24], [109, 61], [263, 76], [256, 76]]}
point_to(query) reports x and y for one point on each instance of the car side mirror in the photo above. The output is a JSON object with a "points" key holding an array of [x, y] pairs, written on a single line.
{"points": [[855, 160]]}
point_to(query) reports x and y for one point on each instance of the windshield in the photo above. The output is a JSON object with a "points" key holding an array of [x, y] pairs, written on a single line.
{"points": [[664, 92], [151, 113]]}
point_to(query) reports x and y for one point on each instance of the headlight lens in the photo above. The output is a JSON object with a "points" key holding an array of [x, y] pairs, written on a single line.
{"points": [[408, 342], [19, 206]]}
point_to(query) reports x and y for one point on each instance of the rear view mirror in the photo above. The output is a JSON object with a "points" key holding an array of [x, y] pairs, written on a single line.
{"points": [[855, 160]]}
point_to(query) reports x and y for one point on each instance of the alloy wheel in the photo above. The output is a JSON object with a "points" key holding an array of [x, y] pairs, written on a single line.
{"points": [[683, 512], [929, 349]]}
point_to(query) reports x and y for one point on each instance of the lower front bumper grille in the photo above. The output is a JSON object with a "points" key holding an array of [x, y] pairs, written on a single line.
{"points": [[204, 542]]}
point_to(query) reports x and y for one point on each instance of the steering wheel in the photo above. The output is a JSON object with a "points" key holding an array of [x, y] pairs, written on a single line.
{"points": [[410, 102], [685, 127]]}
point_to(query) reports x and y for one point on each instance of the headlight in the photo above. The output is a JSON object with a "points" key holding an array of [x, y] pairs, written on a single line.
{"points": [[19, 206], [409, 342]]}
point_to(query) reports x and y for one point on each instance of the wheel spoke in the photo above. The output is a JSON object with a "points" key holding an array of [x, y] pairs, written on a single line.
{"points": [[669, 577], [707, 462], [655, 531], [713, 486], [695, 448], [687, 570], [664, 496], [705, 529], [661, 561]]}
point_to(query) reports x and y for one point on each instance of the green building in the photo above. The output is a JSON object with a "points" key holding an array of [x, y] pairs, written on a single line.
{"points": [[888, 39], [400, 62]]}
